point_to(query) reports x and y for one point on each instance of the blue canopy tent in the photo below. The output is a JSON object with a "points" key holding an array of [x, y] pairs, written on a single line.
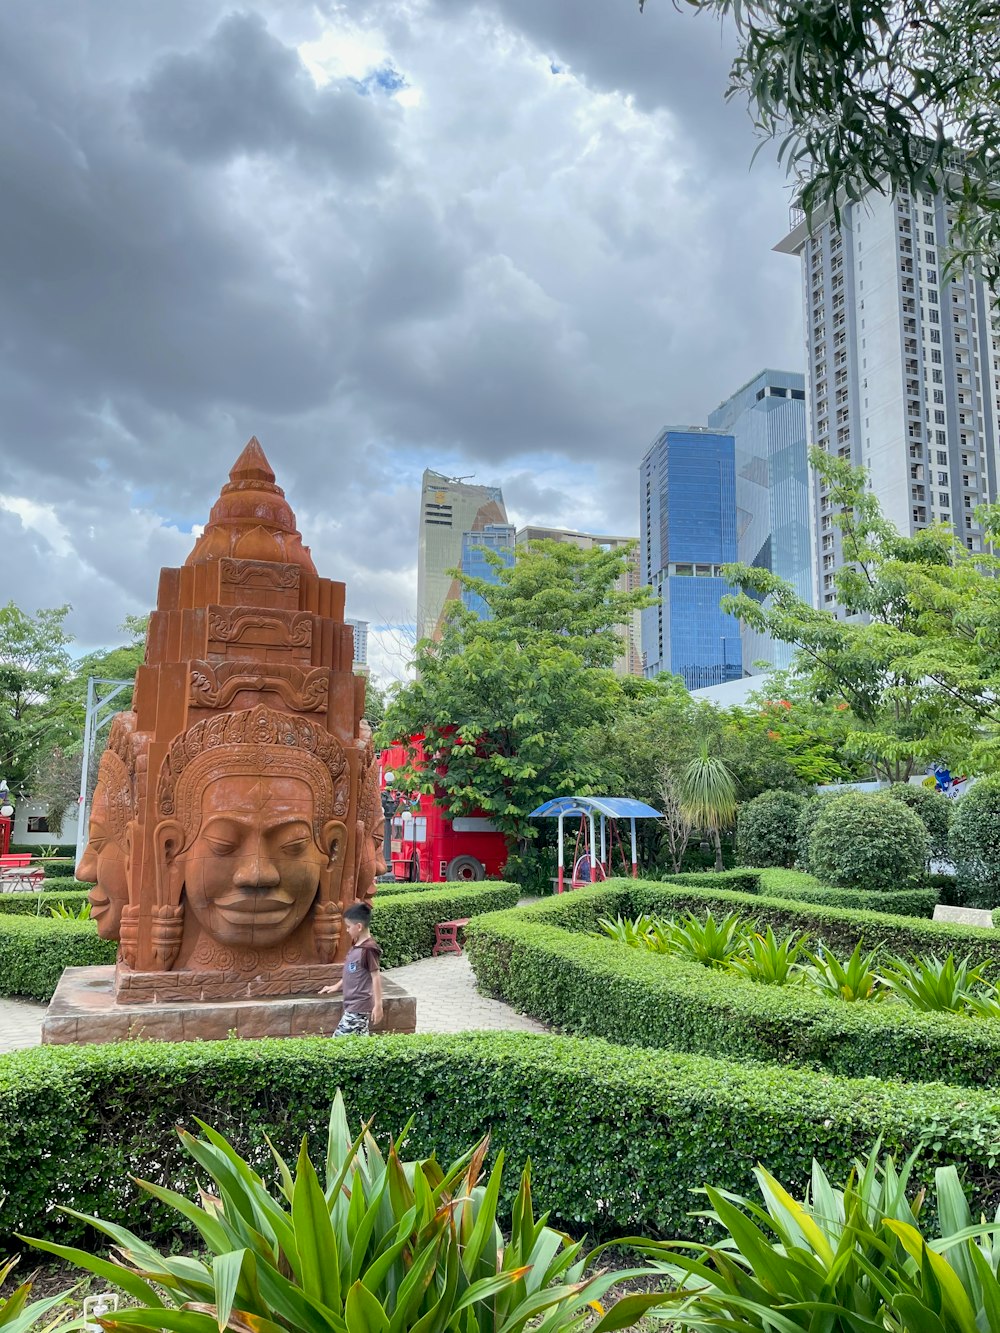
{"points": [[588, 807]]}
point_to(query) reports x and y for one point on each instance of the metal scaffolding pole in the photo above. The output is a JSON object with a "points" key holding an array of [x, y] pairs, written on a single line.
{"points": [[98, 716]]}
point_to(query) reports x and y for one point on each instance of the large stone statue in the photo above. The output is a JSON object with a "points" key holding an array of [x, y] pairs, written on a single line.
{"points": [[236, 812]]}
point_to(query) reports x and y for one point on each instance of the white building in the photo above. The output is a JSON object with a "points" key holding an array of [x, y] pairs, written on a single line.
{"points": [[903, 367], [449, 507], [360, 641]]}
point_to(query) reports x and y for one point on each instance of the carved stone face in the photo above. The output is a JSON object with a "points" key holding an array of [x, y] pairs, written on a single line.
{"points": [[253, 870], [104, 863]]}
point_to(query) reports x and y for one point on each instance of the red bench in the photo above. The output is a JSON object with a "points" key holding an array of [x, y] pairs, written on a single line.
{"points": [[446, 936]]}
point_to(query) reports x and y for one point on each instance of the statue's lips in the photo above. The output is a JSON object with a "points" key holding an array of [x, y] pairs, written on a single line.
{"points": [[264, 908]]}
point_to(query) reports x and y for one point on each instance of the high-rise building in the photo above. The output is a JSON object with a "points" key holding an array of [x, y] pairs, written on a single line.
{"points": [[449, 507], [495, 537], [360, 641], [767, 420], [687, 506], [903, 367], [630, 661]]}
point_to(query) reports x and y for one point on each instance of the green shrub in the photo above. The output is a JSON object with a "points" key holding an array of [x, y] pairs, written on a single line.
{"points": [[738, 880], [947, 889], [60, 869], [811, 811], [66, 851], [403, 923], [66, 883], [868, 841], [767, 829], [861, 1257], [38, 904], [35, 949], [618, 1139], [975, 844], [800, 887], [932, 809], [535, 961], [532, 870], [403, 886]]}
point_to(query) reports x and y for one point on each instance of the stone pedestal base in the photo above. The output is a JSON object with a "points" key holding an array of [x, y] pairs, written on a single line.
{"points": [[83, 1011]]}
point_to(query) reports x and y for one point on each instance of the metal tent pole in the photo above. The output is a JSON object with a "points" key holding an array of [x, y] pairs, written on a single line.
{"points": [[635, 860], [559, 886]]}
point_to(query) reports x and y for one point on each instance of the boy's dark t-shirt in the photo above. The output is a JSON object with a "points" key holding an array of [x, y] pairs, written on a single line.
{"points": [[360, 967]]}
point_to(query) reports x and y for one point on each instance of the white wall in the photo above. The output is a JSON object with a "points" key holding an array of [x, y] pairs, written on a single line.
{"points": [[20, 835]]}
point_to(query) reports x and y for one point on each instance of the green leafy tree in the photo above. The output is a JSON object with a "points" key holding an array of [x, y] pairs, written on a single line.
{"points": [[556, 591], [55, 780], [505, 705], [916, 660], [708, 796], [881, 96], [932, 809], [34, 664], [375, 700], [502, 728]]}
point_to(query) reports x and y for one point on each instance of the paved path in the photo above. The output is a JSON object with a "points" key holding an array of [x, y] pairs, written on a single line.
{"points": [[445, 990]]}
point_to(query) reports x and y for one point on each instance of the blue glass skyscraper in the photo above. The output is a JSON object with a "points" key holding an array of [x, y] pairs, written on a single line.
{"points": [[687, 504], [767, 419], [496, 537]]}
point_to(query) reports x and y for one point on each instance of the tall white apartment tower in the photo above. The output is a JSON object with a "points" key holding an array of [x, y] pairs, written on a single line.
{"points": [[903, 368]]}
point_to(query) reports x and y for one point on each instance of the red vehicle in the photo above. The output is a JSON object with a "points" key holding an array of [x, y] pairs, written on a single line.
{"points": [[425, 844]]}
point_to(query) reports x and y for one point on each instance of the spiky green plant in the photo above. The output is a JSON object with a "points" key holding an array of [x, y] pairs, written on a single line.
{"points": [[708, 797], [771, 961], [707, 941], [931, 984], [851, 1260], [637, 934], [383, 1246], [853, 981], [67, 912], [18, 1314]]}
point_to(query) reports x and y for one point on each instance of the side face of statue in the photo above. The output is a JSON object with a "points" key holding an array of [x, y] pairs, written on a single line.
{"points": [[251, 871], [104, 864]]}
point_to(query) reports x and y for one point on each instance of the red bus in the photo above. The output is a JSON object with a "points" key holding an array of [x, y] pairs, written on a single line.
{"points": [[428, 846]]}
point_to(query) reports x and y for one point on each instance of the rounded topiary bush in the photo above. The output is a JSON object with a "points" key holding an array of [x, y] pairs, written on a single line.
{"points": [[932, 809], [975, 844], [767, 829], [811, 810], [863, 841]]}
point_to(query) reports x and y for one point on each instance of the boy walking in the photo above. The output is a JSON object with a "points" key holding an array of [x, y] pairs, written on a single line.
{"points": [[362, 980]]}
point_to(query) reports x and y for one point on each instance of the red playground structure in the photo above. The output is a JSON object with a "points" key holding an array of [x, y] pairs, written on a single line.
{"points": [[591, 863]]}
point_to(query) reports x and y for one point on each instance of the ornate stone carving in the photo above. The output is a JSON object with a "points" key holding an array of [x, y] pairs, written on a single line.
{"points": [[231, 626], [217, 686], [236, 809], [112, 810]]}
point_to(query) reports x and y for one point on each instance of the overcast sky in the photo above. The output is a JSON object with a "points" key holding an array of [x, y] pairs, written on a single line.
{"points": [[512, 239]]}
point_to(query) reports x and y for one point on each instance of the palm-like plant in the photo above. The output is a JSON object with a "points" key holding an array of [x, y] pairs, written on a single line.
{"points": [[845, 1261], [636, 934], [384, 1246], [18, 1314], [854, 980], [769, 960], [708, 797], [932, 984], [707, 941]]}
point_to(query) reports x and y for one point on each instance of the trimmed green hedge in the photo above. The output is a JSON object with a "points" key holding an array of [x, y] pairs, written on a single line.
{"points": [[797, 886], [38, 904], [618, 1139], [64, 883], [35, 949], [393, 890], [597, 987], [403, 923], [61, 869]]}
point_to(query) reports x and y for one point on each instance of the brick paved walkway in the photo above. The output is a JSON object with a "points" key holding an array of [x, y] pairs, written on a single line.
{"points": [[445, 990]]}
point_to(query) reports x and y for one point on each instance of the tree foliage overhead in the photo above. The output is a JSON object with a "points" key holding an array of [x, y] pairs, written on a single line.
{"points": [[556, 591], [917, 661], [34, 664], [873, 94]]}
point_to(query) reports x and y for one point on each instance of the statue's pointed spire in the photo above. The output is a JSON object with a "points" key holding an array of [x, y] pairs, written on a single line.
{"points": [[252, 520], [252, 464]]}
